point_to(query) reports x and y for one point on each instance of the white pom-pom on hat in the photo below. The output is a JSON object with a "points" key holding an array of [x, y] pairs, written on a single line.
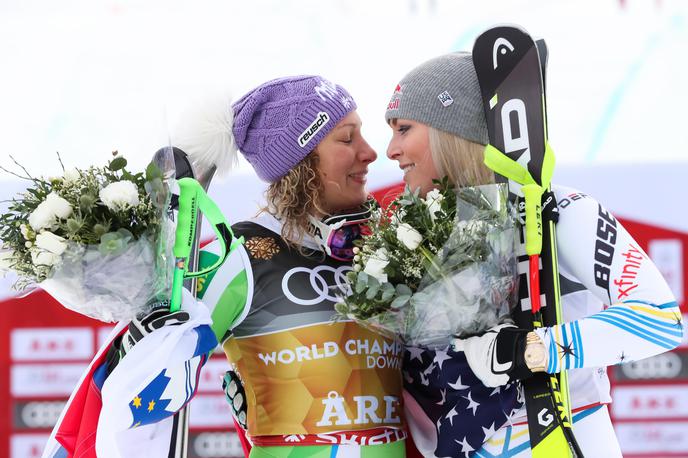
{"points": [[204, 133]]}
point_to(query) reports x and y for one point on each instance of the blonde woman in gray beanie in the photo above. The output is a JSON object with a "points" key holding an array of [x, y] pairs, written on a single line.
{"points": [[300, 384], [616, 305]]}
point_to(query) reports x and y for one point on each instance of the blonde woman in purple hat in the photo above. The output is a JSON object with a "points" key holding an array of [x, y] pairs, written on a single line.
{"points": [[310, 385]]}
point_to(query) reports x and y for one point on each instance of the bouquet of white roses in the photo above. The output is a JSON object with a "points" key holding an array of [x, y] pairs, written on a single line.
{"points": [[95, 239], [436, 267]]}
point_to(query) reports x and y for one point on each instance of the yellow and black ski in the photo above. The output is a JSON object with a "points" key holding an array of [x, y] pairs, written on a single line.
{"points": [[511, 75]]}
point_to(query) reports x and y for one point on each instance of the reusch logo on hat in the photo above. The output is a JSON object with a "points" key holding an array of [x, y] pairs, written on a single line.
{"points": [[322, 119]]}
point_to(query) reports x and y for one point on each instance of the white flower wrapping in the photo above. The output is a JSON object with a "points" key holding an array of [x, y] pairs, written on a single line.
{"points": [[112, 287], [99, 239], [464, 296], [466, 288]]}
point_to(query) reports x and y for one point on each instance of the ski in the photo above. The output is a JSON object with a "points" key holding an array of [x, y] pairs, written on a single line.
{"points": [[175, 162], [511, 76], [180, 427]]}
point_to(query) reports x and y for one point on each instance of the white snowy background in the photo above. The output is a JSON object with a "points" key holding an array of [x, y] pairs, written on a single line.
{"points": [[86, 77]]}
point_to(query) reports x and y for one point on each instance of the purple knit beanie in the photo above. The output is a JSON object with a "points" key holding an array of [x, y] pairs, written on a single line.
{"points": [[278, 123]]}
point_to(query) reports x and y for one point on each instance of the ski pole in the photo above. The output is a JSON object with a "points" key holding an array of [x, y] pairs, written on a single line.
{"points": [[193, 198]]}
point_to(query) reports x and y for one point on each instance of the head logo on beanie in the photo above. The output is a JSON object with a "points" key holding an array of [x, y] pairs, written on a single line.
{"points": [[277, 124]]}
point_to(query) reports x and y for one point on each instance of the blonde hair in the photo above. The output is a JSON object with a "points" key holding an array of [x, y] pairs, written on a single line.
{"points": [[294, 197], [459, 159]]}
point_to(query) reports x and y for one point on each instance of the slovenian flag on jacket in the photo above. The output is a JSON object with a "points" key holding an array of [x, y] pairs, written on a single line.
{"points": [[129, 413]]}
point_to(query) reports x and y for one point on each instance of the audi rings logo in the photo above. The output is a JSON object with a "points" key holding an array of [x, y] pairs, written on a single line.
{"points": [[667, 365], [41, 414], [216, 445], [318, 280]]}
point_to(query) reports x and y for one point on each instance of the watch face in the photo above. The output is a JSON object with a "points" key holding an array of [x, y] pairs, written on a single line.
{"points": [[535, 355]]}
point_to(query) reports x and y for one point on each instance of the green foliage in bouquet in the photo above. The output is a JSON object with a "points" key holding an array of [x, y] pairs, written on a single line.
{"points": [[417, 248], [390, 262], [104, 206]]}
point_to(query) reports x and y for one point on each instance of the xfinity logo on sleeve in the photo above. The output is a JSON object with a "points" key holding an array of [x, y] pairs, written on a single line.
{"points": [[322, 119]]}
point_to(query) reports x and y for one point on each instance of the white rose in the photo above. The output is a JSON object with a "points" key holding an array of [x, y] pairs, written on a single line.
{"points": [[375, 267], [409, 236], [59, 206], [44, 215], [41, 217], [44, 258], [51, 242], [434, 207], [433, 194], [71, 175], [119, 195], [433, 200]]}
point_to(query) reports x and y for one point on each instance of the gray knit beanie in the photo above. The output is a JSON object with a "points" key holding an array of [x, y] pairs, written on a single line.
{"points": [[442, 93]]}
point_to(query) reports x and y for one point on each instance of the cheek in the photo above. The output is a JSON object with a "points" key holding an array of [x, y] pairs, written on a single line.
{"points": [[416, 150], [429, 168], [327, 167], [336, 169]]}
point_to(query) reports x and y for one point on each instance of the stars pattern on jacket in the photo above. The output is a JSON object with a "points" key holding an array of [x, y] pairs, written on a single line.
{"points": [[465, 412]]}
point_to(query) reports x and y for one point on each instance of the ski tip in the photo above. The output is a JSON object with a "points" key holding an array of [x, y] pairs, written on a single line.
{"points": [[204, 132], [500, 45], [496, 28]]}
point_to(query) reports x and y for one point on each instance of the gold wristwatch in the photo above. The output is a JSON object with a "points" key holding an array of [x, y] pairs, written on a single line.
{"points": [[534, 353]]}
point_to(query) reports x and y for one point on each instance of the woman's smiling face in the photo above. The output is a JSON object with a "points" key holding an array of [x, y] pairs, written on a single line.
{"points": [[344, 156], [410, 147]]}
